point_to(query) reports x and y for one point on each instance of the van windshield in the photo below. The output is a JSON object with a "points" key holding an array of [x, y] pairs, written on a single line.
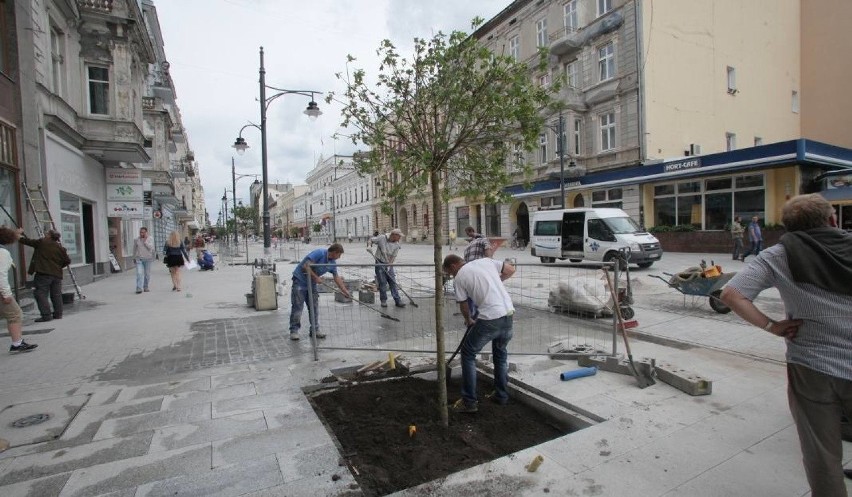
{"points": [[622, 225]]}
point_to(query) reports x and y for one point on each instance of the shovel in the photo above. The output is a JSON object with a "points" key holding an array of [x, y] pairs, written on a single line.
{"points": [[450, 369], [391, 278], [368, 306], [644, 380]]}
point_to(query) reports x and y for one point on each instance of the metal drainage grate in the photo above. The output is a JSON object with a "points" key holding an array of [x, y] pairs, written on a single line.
{"points": [[35, 419]]}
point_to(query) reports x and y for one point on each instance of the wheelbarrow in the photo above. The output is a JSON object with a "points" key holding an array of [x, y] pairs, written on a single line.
{"points": [[701, 286]]}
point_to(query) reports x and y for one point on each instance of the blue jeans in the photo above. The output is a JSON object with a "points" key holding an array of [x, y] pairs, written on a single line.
{"points": [[386, 277], [143, 273], [754, 249], [499, 333], [298, 298]]}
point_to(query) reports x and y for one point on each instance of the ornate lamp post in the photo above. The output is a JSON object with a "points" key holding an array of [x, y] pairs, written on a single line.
{"points": [[234, 178], [559, 129], [312, 111]]}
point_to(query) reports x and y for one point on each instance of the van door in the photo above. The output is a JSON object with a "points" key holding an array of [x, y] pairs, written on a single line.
{"points": [[572, 234], [599, 239]]}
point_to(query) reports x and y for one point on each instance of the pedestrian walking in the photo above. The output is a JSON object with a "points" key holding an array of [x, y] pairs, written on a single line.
{"points": [[199, 246], [452, 242], [755, 238], [481, 280], [349, 236], [9, 308], [175, 256], [811, 269], [387, 248], [143, 254], [48, 259], [309, 272], [737, 235], [478, 246]]}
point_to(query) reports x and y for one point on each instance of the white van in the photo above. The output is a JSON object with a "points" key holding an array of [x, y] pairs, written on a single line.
{"points": [[591, 234]]}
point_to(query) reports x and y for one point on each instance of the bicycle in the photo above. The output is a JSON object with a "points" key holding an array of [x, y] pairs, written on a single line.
{"points": [[517, 244]]}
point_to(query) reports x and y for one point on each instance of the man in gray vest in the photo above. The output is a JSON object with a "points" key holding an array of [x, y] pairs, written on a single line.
{"points": [[387, 246]]}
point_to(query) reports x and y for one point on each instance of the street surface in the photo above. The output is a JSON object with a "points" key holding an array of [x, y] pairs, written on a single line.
{"points": [[194, 393]]}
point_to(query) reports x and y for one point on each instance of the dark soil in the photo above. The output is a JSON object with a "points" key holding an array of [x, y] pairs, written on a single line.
{"points": [[371, 422]]}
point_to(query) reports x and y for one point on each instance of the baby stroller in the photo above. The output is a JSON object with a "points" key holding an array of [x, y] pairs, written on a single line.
{"points": [[205, 263]]}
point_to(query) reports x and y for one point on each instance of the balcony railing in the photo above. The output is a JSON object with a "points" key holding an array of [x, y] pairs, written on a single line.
{"points": [[149, 103], [96, 5]]}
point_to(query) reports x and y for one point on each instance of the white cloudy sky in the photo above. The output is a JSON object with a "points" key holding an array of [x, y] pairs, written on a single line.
{"points": [[212, 47]]}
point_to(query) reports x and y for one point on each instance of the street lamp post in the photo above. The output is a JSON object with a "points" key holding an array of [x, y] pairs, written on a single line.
{"points": [[560, 151], [234, 178], [312, 111], [225, 204]]}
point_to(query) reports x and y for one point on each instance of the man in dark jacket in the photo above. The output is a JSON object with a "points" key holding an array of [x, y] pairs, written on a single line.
{"points": [[46, 264]]}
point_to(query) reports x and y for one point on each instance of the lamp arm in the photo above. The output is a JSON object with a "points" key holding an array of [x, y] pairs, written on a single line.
{"points": [[249, 125], [282, 92]]}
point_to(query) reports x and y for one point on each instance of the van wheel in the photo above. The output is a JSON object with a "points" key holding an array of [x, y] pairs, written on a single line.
{"points": [[611, 257], [545, 260], [645, 265], [575, 260]]}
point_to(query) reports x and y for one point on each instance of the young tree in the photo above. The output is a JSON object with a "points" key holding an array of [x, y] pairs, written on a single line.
{"points": [[444, 122]]}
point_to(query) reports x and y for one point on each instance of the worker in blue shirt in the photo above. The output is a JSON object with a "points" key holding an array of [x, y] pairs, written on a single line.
{"points": [[310, 271]]}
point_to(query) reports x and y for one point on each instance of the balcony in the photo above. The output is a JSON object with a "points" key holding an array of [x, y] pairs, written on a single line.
{"points": [[149, 103], [111, 140], [573, 98], [101, 6], [178, 169], [568, 43]]}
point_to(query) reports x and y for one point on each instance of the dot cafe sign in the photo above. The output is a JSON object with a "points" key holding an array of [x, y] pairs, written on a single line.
{"points": [[682, 165]]}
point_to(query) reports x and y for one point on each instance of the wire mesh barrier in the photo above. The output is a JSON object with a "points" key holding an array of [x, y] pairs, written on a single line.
{"points": [[563, 304]]}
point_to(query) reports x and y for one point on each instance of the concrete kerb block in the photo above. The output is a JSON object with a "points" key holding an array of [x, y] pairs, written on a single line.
{"points": [[621, 365], [684, 380]]}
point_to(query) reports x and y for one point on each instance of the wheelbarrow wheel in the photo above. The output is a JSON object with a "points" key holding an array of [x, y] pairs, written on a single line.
{"points": [[627, 312], [716, 303]]}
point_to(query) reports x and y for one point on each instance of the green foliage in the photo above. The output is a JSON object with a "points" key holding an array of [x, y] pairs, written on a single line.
{"points": [[774, 227], [684, 228], [247, 218], [680, 228], [660, 229], [454, 108], [294, 232], [316, 228]]}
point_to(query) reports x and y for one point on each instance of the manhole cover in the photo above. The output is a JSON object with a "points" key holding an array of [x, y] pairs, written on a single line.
{"points": [[35, 419]]}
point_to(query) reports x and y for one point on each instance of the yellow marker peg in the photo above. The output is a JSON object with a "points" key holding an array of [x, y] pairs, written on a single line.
{"points": [[391, 360], [536, 462], [412, 430]]}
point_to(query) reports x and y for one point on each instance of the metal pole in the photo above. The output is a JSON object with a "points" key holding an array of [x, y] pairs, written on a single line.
{"points": [[267, 241], [562, 161], [234, 191], [225, 202]]}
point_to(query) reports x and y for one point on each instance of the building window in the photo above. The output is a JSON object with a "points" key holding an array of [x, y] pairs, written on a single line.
{"points": [[730, 141], [604, 6], [7, 146], [544, 80], [541, 32], [515, 47], [606, 62], [4, 43], [607, 198], [758, 141], [732, 80], [542, 147], [709, 204], [551, 203], [607, 131], [572, 74], [462, 219], [98, 90], [795, 101], [569, 16], [57, 61], [578, 132]]}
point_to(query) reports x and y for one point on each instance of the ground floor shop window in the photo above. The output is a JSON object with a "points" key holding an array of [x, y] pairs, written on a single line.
{"points": [[550, 203], [709, 204], [462, 218], [72, 226], [492, 219], [607, 198]]}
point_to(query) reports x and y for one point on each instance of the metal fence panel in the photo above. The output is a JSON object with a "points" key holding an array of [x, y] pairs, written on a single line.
{"points": [[567, 304]]}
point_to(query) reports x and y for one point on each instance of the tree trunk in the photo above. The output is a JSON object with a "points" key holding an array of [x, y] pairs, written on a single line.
{"points": [[437, 214]]}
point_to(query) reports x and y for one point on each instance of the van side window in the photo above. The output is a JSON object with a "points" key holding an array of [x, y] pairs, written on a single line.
{"points": [[547, 228], [598, 230]]}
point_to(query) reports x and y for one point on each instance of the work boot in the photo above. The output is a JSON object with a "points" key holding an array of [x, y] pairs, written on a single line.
{"points": [[400, 304], [43, 319], [462, 406], [294, 335], [384, 303]]}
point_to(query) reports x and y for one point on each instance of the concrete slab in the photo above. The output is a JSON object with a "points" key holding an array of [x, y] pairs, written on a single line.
{"points": [[229, 407], [227, 481], [135, 471], [163, 389], [122, 427], [35, 466], [282, 440], [39, 421], [87, 422], [49, 486], [200, 397], [177, 436]]}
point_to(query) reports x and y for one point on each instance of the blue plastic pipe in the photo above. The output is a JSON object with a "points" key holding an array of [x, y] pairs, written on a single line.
{"points": [[578, 373]]}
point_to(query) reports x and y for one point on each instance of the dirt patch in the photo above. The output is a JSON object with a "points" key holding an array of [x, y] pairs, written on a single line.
{"points": [[371, 422]]}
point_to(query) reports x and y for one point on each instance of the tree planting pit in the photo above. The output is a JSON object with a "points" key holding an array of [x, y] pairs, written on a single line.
{"points": [[390, 435]]}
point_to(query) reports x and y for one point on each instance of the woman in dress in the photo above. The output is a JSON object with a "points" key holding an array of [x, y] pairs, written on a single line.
{"points": [[175, 257]]}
